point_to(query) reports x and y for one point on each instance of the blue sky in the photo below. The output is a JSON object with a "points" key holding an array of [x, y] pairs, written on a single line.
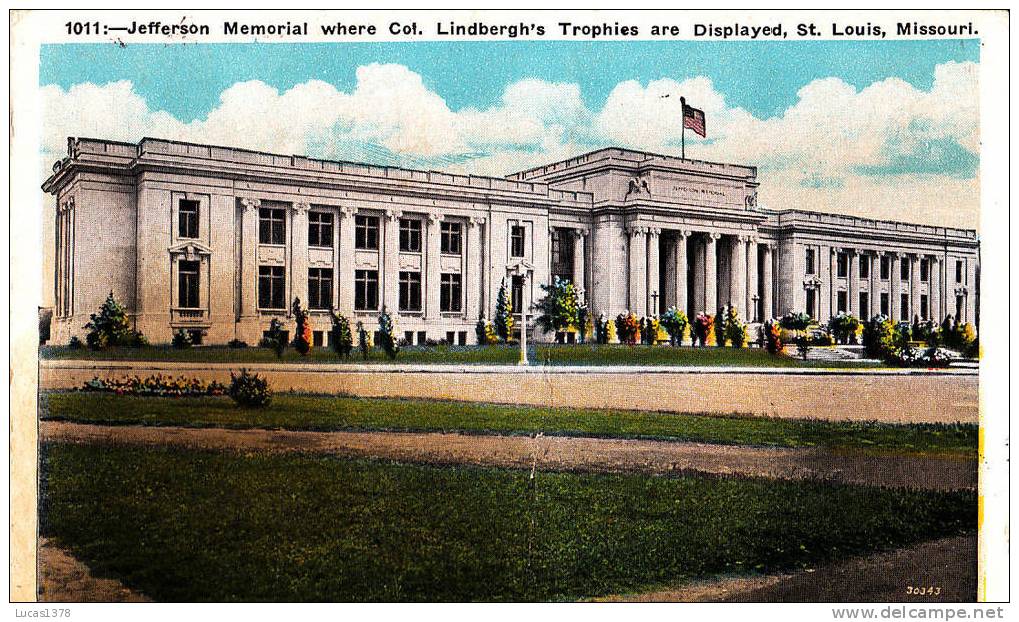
{"points": [[761, 77]]}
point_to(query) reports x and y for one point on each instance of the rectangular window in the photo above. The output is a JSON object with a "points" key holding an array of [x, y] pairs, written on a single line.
{"points": [[187, 219], [864, 305], [450, 293], [318, 338], [842, 302], [271, 283], [925, 272], [320, 229], [811, 268], [422, 338], [452, 238], [517, 294], [904, 308], [517, 241], [903, 270], [461, 338], [187, 284], [366, 290], [450, 337], [958, 271], [408, 337], [885, 309], [864, 266], [923, 306], [272, 226], [562, 254], [410, 235], [886, 268], [811, 303], [320, 288], [842, 265], [410, 291], [366, 233]]}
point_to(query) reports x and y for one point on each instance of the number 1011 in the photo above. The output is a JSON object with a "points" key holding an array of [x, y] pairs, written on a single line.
{"points": [[82, 28]]}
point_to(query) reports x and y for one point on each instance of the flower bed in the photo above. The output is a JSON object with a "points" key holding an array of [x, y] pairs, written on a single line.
{"points": [[155, 386], [915, 357]]}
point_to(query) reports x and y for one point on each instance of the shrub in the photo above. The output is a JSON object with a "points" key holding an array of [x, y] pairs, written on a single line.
{"points": [[275, 338], [237, 344], [925, 331], [155, 386], [798, 322], [719, 327], [649, 329], [879, 337], [903, 335], [110, 326], [558, 308], [702, 326], [628, 328], [843, 327], [915, 357], [249, 390], [387, 334], [302, 332], [822, 338], [503, 313], [735, 330], [966, 338], [181, 339], [585, 327], [610, 332], [75, 343], [340, 337], [772, 337], [675, 323], [364, 340]]}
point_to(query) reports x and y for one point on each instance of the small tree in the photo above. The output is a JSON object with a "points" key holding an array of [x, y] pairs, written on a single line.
{"points": [[585, 327], [843, 327], [879, 337], [675, 323], [557, 310], [481, 332], [275, 337], [735, 330], [628, 328], [721, 339], [387, 334], [181, 339], [109, 327], [340, 337], [772, 337], [799, 323], [364, 342], [503, 313], [702, 326], [302, 332]]}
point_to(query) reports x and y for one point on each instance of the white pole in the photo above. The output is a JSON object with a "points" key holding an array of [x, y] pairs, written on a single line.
{"points": [[523, 321]]}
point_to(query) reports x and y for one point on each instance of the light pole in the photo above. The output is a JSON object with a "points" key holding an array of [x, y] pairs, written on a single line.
{"points": [[523, 271]]}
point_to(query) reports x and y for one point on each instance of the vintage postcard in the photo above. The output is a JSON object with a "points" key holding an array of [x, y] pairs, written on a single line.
{"points": [[510, 306]]}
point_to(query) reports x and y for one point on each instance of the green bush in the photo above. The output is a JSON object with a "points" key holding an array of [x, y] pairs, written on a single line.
{"points": [[843, 327], [387, 334], [675, 322], [111, 327], [340, 337], [75, 343], [237, 344], [772, 337], [503, 313], [302, 328], [879, 338], [249, 390], [181, 339], [558, 308], [735, 330], [155, 386], [364, 343], [275, 338]]}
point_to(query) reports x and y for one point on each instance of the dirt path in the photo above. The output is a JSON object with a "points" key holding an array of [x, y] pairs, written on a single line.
{"points": [[890, 396], [64, 579], [553, 453], [949, 566]]}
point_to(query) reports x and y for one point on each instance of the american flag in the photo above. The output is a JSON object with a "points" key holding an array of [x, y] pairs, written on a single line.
{"points": [[693, 119]]}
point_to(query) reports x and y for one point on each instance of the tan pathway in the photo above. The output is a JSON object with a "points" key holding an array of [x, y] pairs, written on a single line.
{"points": [[553, 453], [893, 396], [64, 579]]}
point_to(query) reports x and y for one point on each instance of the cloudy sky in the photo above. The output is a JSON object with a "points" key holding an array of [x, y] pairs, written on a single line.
{"points": [[880, 129]]}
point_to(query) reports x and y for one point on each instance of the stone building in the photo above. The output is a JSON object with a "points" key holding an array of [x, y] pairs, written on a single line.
{"points": [[218, 241]]}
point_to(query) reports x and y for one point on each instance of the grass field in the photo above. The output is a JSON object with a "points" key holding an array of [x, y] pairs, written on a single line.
{"points": [[463, 355], [310, 412], [203, 526]]}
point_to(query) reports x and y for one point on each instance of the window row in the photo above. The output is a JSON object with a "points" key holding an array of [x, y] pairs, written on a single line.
{"points": [[842, 304], [885, 267]]}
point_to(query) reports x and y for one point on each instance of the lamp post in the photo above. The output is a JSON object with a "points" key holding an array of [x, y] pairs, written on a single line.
{"points": [[523, 270]]}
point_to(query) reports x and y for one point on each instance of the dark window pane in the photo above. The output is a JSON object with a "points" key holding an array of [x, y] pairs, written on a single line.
{"points": [[320, 288], [271, 226], [366, 232], [517, 241], [320, 229], [410, 291], [366, 290], [187, 284], [864, 266], [810, 261], [187, 219], [450, 293], [452, 233], [271, 283], [410, 235]]}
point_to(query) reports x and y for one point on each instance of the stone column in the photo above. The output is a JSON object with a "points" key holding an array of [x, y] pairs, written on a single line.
{"points": [[874, 297], [638, 268], [738, 275], [653, 266], [752, 282], [767, 310], [433, 266], [697, 304], [934, 292], [249, 258], [390, 271], [710, 274], [474, 269], [345, 273], [681, 269], [893, 287], [579, 267], [914, 286], [299, 252], [851, 287]]}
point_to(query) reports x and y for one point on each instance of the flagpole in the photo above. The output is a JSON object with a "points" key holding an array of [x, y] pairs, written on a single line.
{"points": [[682, 131]]}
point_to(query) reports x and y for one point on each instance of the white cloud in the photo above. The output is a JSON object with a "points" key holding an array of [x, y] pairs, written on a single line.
{"points": [[824, 152]]}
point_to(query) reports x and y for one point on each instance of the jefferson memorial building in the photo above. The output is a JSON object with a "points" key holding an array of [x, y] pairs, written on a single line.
{"points": [[218, 241]]}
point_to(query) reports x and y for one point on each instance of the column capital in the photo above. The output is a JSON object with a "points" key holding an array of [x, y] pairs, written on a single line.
{"points": [[836, 250], [251, 203], [711, 237], [684, 233], [394, 214], [635, 230], [67, 205], [347, 211], [475, 220], [654, 231], [434, 217], [580, 234], [300, 207]]}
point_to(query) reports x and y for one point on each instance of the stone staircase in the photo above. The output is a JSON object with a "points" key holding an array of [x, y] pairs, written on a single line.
{"points": [[832, 354]]}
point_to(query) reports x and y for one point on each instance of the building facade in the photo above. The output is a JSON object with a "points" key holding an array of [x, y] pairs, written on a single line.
{"points": [[218, 241]]}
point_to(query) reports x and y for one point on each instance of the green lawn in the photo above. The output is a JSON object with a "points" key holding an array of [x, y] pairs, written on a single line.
{"points": [[543, 354], [313, 412], [182, 525]]}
